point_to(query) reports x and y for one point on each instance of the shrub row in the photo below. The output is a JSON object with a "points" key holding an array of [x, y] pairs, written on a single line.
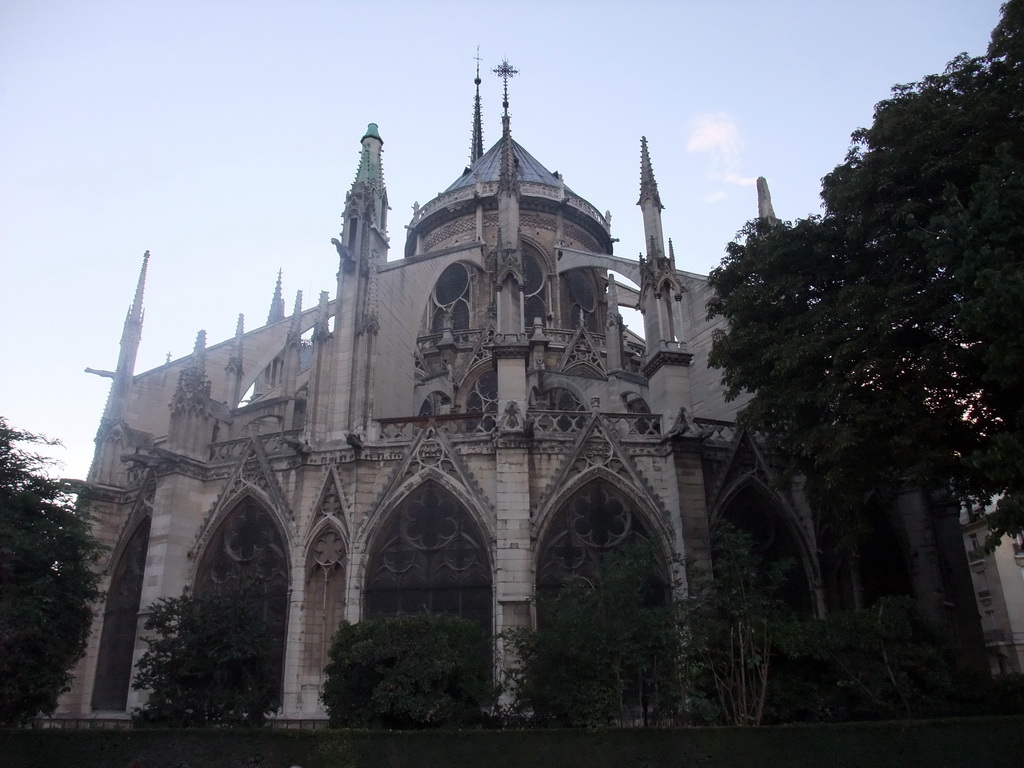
{"points": [[954, 743]]}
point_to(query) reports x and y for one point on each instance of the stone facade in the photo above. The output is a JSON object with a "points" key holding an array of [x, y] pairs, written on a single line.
{"points": [[450, 432]]}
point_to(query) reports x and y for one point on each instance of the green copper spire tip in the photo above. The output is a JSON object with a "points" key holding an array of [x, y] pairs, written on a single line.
{"points": [[371, 132]]}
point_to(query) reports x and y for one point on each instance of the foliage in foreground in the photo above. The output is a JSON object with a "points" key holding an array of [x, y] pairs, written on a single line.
{"points": [[604, 653], [882, 340], [47, 580], [209, 662], [421, 671], [730, 622]]}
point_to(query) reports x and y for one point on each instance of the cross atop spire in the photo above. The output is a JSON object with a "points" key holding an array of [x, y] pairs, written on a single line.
{"points": [[505, 71]]}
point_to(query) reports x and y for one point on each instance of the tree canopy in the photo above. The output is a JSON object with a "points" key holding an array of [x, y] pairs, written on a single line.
{"points": [[422, 671], [882, 339], [209, 662], [47, 580]]}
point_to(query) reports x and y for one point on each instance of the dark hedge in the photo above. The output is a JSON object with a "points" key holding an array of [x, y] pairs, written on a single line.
{"points": [[957, 743]]}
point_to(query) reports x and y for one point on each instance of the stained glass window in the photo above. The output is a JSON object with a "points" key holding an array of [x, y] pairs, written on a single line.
{"points": [[430, 557], [246, 558], [120, 624]]}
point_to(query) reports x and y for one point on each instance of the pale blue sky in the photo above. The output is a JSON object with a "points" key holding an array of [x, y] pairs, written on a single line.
{"points": [[222, 136]]}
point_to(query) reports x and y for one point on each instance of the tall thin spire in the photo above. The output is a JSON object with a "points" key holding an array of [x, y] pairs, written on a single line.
{"points": [[135, 313], [648, 185], [131, 335], [476, 148], [276, 304]]}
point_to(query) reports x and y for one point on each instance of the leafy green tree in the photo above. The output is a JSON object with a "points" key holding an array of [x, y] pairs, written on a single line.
{"points": [[882, 662], [729, 623], [421, 671], [605, 651], [882, 339], [47, 580], [209, 662]]}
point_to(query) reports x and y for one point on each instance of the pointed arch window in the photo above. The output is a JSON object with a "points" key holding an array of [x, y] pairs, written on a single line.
{"points": [[450, 299], [120, 622], [325, 596], [483, 399], [430, 557], [582, 299], [596, 520], [534, 288], [246, 558]]}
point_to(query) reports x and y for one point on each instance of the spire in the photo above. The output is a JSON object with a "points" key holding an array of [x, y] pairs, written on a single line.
{"points": [[320, 327], [294, 333], [234, 368], [476, 148], [765, 211], [508, 166], [648, 186], [135, 313], [650, 205], [276, 304], [234, 364], [131, 335], [370, 176]]}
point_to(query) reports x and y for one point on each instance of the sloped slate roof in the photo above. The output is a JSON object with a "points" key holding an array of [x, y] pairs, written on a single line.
{"points": [[489, 168]]}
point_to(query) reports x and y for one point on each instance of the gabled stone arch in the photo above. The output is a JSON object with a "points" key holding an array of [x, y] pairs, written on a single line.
{"points": [[598, 453], [332, 504], [251, 478], [751, 506], [245, 556], [627, 515], [430, 550]]}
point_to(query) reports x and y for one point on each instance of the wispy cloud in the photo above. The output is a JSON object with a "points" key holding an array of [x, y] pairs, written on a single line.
{"points": [[715, 134], [714, 197]]}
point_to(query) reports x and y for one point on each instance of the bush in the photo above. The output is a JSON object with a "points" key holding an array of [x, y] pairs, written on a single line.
{"points": [[419, 671], [208, 663], [605, 651]]}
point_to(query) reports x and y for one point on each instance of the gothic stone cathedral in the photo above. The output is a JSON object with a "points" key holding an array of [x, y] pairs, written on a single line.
{"points": [[452, 431]]}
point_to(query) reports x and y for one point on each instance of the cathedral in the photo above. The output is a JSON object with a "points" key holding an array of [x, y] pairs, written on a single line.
{"points": [[455, 429]]}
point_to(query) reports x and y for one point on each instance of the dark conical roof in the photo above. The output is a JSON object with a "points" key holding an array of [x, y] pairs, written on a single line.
{"points": [[528, 168]]}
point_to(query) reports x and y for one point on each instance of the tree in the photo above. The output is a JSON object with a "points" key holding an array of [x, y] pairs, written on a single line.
{"points": [[606, 650], [729, 623], [209, 662], [47, 580], [883, 662], [881, 340], [421, 671]]}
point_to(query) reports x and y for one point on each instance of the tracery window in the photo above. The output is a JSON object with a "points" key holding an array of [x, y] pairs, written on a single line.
{"points": [[451, 299], [582, 299], [325, 596], [430, 557], [246, 559], [597, 520], [120, 623], [535, 304], [483, 399]]}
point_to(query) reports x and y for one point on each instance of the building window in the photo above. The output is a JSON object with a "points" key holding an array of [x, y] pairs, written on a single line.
{"points": [[246, 559], [120, 624], [430, 557]]}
